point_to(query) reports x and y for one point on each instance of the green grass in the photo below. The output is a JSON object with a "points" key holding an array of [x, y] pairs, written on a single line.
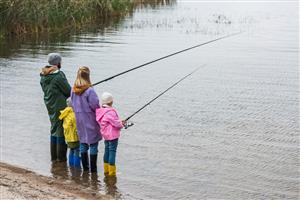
{"points": [[19, 17]]}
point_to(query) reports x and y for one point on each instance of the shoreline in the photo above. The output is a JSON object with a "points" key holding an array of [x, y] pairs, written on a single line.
{"points": [[50, 17], [31, 17], [20, 183]]}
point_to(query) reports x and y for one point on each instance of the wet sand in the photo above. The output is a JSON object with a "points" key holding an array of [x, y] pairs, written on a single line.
{"points": [[18, 183]]}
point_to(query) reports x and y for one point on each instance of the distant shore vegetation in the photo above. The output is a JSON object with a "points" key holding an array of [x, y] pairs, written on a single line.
{"points": [[18, 17], [30, 16]]}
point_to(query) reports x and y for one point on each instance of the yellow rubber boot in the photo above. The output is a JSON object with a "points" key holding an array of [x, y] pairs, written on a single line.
{"points": [[106, 168], [112, 170]]}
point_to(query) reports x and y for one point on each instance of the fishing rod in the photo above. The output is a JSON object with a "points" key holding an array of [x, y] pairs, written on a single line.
{"points": [[147, 104], [164, 57]]}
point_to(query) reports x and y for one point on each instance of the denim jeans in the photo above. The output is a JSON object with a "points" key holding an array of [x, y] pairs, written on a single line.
{"points": [[110, 151], [93, 148]]}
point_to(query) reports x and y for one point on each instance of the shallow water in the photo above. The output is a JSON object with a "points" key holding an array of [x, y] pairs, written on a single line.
{"points": [[230, 131]]}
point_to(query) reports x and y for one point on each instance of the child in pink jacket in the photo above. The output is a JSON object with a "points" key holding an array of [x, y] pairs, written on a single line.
{"points": [[110, 124]]}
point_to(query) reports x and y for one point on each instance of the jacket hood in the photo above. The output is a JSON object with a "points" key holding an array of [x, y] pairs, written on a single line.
{"points": [[48, 70], [48, 73], [100, 112], [64, 113], [80, 89]]}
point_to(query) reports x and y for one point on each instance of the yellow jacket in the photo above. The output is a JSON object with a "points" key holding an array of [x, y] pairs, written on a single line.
{"points": [[69, 124]]}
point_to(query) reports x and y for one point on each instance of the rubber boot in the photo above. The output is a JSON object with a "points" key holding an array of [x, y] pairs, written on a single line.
{"points": [[62, 152], [85, 161], [53, 151], [106, 169], [112, 170], [71, 158], [77, 161], [93, 162]]}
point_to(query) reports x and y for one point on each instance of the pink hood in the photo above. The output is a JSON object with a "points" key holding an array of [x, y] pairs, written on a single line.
{"points": [[109, 121]]}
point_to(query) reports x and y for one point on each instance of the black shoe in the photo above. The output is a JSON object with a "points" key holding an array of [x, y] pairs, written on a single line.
{"points": [[93, 163], [85, 161]]}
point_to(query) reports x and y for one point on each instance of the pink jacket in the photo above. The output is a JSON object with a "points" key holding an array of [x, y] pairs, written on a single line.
{"points": [[109, 121]]}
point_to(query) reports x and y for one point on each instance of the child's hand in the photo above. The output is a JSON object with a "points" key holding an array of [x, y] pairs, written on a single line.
{"points": [[126, 124]]}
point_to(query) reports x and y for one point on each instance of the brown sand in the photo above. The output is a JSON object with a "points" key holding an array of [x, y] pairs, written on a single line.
{"points": [[18, 183]]}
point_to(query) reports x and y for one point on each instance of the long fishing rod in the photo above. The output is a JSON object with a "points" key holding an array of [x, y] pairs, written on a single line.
{"points": [[164, 57], [147, 104]]}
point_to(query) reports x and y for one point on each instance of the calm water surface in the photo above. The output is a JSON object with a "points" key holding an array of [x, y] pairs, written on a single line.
{"points": [[230, 131]]}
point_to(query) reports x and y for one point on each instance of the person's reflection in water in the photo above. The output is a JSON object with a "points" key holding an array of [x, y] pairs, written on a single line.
{"points": [[59, 170], [95, 183], [111, 186], [75, 174], [85, 179], [90, 180]]}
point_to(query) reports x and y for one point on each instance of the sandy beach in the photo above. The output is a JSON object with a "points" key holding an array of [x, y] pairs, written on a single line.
{"points": [[18, 183]]}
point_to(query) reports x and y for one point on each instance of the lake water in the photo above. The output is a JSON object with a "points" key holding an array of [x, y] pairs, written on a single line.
{"points": [[229, 131]]}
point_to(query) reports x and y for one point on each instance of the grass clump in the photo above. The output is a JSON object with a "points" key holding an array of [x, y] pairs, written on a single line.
{"points": [[19, 17]]}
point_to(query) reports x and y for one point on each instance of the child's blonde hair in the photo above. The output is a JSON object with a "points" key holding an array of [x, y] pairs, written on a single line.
{"points": [[83, 77]]}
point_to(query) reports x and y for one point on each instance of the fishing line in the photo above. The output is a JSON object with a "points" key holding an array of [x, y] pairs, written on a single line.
{"points": [[169, 88], [164, 57]]}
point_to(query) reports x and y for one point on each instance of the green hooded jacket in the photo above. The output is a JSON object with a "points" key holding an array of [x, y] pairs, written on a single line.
{"points": [[56, 90]]}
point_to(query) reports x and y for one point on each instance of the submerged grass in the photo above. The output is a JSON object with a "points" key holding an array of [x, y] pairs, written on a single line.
{"points": [[19, 17]]}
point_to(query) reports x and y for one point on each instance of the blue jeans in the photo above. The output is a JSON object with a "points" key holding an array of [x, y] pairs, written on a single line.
{"points": [[110, 151], [93, 148]]}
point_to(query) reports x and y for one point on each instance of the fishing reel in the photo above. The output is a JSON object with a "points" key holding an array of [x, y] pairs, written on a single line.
{"points": [[128, 124]]}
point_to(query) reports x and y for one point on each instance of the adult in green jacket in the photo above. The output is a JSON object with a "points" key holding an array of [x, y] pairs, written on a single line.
{"points": [[56, 90]]}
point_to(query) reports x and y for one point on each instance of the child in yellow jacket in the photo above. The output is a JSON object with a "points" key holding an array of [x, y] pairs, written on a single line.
{"points": [[70, 133]]}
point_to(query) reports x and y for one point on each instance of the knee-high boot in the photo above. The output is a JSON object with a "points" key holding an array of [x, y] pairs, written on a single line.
{"points": [[53, 151], [112, 170], [77, 161], [71, 158], [93, 162], [106, 168], [62, 152], [85, 161]]}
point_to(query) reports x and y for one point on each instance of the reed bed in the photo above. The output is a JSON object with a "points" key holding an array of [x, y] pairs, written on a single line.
{"points": [[19, 17]]}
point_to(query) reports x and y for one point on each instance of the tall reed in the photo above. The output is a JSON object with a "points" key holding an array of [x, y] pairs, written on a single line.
{"points": [[30, 16]]}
